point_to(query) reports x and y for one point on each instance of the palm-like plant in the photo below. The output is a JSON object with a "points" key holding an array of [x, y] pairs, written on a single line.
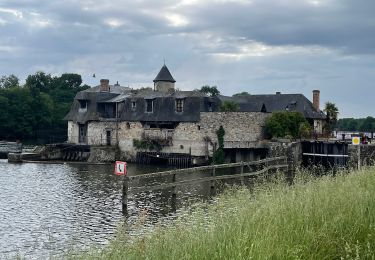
{"points": [[332, 113]]}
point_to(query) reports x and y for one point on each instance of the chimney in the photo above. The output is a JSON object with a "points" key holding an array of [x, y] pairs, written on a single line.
{"points": [[104, 85], [316, 100], [278, 93]]}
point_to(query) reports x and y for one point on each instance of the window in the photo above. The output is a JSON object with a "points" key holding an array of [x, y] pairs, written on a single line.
{"points": [[149, 105], [134, 105], [179, 105], [82, 105]]}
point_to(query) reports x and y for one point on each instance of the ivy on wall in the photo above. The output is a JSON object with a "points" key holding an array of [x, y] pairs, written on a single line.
{"points": [[218, 157]]}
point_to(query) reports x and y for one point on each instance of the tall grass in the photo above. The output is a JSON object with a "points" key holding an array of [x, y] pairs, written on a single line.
{"points": [[317, 218]]}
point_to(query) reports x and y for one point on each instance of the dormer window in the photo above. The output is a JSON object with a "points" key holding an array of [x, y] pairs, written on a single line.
{"points": [[82, 106], [179, 105], [149, 105], [134, 105]]}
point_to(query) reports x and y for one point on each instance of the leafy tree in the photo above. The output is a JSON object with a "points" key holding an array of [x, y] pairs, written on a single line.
{"points": [[283, 124], [368, 125], [229, 106], [9, 81], [244, 93], [211, 91], [39, 82], [332, 113], [349, 124], [35, 112]]}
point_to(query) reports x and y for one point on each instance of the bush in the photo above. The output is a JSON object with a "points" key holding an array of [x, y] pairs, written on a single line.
{"points": [[282, 124]]}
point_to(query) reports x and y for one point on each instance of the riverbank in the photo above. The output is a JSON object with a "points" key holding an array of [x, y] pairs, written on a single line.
{"points": [[317, 218]]}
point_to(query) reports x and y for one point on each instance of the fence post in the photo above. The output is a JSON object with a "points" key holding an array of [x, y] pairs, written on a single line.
{"points": [[290, 162], [125, 187], [241, 172], [213, 182], [174, 194]]}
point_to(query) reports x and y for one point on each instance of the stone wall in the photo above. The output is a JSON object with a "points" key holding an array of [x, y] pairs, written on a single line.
{"points": [[367, 154], [72, 132], [196, 138], [97, 132]]}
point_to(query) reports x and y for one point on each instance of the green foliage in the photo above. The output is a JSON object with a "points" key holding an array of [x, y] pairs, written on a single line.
{"points": [[211, 91], [219, 156], [229, 106], [349, 124], [283, 124], [34, 113], [368, 124], [243, 94], [146, 144], [332, 113], [323, 218], [9, 81]]}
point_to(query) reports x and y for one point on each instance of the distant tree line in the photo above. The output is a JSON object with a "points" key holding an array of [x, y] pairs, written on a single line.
{"points": [[360, 124], [34, 112]]}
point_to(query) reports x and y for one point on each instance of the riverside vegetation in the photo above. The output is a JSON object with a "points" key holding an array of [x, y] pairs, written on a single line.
{"points": [[316, 218]]}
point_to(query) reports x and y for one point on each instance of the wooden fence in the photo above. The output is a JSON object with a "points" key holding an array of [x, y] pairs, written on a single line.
{"points": [[211, 173]]}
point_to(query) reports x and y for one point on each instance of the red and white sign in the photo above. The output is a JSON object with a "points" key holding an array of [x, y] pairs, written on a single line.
{"points": [[120, 168]]}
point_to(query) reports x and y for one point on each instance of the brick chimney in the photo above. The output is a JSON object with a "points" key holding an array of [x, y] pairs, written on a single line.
{"points": [[104, 85], [316, 100]]}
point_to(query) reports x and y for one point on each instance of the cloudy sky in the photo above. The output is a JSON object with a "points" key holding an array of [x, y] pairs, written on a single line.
{"points": [[259, 46]]}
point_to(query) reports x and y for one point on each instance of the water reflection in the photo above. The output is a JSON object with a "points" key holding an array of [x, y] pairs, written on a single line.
{"points": [[48, 209]]}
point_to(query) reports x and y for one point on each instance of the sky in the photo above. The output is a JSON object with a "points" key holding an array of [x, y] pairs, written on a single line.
{"points": [[258, 46]]}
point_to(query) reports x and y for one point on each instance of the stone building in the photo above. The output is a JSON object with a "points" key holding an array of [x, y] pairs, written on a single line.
{"points": [[164, 124]]}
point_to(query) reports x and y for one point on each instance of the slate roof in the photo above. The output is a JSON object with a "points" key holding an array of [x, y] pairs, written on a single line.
{"points": [[277, 102], [164, 75]]}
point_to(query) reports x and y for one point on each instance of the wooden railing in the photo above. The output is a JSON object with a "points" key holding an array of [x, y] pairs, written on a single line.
{"points": [[212, 174]]}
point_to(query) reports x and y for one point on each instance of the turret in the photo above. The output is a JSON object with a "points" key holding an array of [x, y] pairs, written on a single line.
{"points": [[164, 82]]}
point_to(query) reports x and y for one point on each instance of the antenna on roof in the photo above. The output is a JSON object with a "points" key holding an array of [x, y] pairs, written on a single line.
{"points": [[93, 75], [164, 61]]}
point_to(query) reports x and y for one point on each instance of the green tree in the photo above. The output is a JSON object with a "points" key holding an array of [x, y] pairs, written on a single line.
{"points": [[211, 91], [284, 124], [9, 81], [39, 82], [332, 113], [229, 106], [368, 125], [244, 93]]}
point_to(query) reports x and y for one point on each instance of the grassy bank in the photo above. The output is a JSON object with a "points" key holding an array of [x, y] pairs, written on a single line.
{"points": [[324, 218]]}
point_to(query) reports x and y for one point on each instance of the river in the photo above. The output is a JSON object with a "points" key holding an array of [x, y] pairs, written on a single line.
{"points": [[49, 210]]}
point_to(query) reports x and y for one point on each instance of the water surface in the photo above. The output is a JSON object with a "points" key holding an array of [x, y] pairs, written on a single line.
{"points": [[51, 209]]}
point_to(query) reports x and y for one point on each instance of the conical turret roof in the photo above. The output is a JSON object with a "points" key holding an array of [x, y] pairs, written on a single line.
{"points": [[164, 75]]}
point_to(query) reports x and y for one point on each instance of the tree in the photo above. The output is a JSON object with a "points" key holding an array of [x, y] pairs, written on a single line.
{"points": [[284, 124], [229, 106], [368, 125], [332, 113], [211, 91], [39, 82], [9, 81], [241, 94]]}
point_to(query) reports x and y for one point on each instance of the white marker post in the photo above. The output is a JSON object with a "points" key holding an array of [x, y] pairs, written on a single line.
{"points": [[120, 169], [357, 141]]}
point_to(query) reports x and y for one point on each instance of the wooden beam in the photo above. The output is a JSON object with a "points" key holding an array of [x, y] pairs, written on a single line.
{"points": [[206, 179]]}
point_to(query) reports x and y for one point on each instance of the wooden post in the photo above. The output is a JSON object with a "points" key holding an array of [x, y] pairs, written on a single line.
{"points": [[174, 195], [125, 187], [359, 157], [241, 171], [213, 182]]}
